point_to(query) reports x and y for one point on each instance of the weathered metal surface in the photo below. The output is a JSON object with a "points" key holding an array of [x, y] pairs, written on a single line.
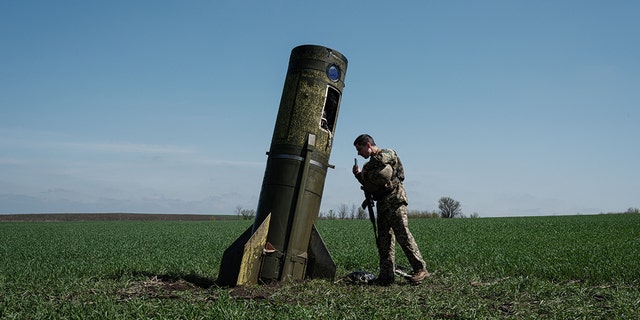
{"points": [[253, 250], [297, 163]]}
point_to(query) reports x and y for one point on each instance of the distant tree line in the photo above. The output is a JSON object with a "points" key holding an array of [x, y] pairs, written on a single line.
{"points": [[633, 211], [245, 214], [447, 208]]}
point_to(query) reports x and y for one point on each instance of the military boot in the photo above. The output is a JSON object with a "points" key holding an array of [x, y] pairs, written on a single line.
{"points": [[418, 276]]}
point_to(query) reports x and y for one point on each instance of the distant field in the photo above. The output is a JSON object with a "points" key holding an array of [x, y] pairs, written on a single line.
{"points": [[534, 267], [61, 217]]}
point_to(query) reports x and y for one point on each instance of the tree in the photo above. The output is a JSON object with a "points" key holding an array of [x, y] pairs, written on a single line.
{"points": [[245, 213], [449, 208], [248, 214], [342, 211], [633, 210]]}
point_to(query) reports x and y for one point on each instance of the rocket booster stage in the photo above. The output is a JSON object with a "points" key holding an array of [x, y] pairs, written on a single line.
{"points": [[283, 243]]}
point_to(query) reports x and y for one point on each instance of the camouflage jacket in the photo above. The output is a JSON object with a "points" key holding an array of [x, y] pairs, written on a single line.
{"points": [[382, 176]]}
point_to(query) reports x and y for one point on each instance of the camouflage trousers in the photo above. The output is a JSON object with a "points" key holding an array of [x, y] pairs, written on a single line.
{"points": [[393, 225]]}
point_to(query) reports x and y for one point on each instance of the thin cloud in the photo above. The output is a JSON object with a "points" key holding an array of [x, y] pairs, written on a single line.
{"points": [[125, 147], [229, 163], [33, 139]]}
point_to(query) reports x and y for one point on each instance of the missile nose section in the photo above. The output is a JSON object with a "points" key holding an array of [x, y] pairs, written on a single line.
{"points": [[283, 242]]}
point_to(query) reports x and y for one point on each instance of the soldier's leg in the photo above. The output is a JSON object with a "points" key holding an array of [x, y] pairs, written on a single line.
{"points": [[386, 246], [400, 226]]}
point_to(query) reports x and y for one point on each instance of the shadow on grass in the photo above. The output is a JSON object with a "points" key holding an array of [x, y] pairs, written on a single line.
{"points": [[171, 277]]}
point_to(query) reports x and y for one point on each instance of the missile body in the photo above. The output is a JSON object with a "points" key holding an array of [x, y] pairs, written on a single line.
{"points": [[283, 243]]}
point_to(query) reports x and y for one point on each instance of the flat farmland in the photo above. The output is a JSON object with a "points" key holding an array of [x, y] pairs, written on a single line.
{"points": [[553, 267]]}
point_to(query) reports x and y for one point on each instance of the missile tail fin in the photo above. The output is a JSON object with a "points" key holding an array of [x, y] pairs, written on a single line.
{"points": [[320, 263], [241, 261]]}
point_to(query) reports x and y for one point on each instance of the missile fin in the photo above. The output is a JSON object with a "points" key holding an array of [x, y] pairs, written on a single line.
{"points": [[252, 255], [241, 261], [320, 263]]}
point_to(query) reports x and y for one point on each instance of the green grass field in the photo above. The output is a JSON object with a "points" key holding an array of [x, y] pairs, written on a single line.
{"points": [[564, 267]]}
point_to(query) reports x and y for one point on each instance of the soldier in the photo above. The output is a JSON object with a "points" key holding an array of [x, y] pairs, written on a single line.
{"points": [[382, 177]]}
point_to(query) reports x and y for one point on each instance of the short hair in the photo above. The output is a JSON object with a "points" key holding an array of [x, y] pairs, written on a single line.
{"points": [[363, 139]]}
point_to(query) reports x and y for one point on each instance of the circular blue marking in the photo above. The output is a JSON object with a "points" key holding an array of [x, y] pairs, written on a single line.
{"points": [[333, 72]]}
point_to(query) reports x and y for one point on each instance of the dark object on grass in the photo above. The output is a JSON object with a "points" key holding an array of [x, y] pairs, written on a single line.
{"points": [[360, 277]]}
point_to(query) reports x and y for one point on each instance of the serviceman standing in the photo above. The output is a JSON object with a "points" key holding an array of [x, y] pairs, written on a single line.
{"points": [[382, 177]]}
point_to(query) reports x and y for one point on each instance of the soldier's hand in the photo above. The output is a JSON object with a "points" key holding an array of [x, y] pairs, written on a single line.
{"points": [[356, 169]]}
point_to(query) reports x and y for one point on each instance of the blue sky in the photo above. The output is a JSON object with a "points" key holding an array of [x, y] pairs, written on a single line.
{"points": [[510, 107]]}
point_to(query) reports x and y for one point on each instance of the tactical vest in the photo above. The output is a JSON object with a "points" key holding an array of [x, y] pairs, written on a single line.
{"points": [[385, 182]]}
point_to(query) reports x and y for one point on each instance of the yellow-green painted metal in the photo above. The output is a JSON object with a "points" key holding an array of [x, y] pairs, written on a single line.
{"points": [[297, 164], [241, 262], [253, 250]]}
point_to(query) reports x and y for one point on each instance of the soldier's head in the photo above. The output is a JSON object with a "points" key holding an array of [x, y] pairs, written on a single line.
{"points": [[365, 145]]}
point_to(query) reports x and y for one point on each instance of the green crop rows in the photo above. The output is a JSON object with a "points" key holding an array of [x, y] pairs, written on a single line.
{"points": [[534, 267]]}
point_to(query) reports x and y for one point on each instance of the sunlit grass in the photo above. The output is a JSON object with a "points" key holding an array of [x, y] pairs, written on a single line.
{"points": [[553, 267]]}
